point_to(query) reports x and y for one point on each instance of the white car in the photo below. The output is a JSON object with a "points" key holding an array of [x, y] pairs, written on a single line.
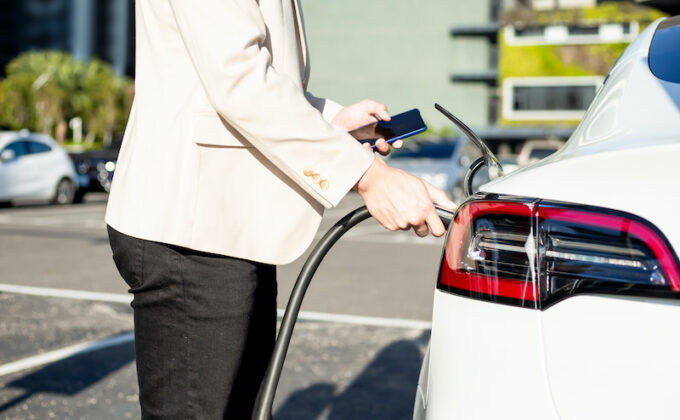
{"points": [[34, 167], [559, 290]]}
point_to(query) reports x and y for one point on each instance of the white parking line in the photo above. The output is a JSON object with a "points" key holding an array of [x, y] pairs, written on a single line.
{"points": [[304, 315], [361, 320], [64, 353], [66, 293]]}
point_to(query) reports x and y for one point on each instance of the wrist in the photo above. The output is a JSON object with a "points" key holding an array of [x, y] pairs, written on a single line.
{"points": [[366, 179]]}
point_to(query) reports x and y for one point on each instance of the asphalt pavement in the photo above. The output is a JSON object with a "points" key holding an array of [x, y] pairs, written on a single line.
{"points": [[66, 348]]}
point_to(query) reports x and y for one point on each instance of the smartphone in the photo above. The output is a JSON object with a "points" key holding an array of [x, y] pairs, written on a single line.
{"points": [[400, 126]]}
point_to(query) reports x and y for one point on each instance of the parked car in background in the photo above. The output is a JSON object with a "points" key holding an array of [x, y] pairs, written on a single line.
{"points": [[34, 167], [535, 150], [443, 163], [433, 161], [469, 152], [558, 295], [95, 169]]}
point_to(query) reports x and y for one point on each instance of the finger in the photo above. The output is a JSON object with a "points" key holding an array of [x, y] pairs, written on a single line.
{"points": [[397, 144], [438, 196], [381, 111], [435, 223], [382, 147], [367, 145], [421, 230]]}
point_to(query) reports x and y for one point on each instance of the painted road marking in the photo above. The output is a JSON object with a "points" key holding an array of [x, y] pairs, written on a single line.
{"points": [[304, 315], [64, 353], [361, 320], [66, 293]]}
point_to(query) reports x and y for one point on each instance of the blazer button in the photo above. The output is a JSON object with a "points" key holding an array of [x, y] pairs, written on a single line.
{"points": [[324, 185], [308, 172], [316, 178]]}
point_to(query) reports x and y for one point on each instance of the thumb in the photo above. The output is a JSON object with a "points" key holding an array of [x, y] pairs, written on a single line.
{"points": [[439, 197]]}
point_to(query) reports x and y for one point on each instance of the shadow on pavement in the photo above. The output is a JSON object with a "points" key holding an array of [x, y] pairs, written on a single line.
{"points": [[384, 390], [70, 376]]}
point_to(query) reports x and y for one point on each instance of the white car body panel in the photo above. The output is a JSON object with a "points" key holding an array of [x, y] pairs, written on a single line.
{"points": [[586, 357], [613, 357], [487, 362]]}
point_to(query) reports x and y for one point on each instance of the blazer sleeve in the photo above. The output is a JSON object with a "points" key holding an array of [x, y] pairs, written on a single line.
{"points": [[325, 106], [224, 39]]}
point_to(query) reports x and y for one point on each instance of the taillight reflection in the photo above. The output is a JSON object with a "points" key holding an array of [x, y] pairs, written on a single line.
{"points": [[534, 254]]}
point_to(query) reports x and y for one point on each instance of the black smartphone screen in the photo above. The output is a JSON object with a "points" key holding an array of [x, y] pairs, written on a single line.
{"points": [[400, 126]]}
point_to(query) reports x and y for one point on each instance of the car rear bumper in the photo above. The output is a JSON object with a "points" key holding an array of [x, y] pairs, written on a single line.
{"points": [[485, 362]]}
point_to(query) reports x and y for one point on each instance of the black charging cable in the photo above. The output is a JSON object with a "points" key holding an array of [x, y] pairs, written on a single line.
{"points": [[265, 399]]}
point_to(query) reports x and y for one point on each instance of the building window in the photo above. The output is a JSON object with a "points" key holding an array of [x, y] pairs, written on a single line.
{"points": [[583, 30], [548, 98], [552, 98], [573, 34]]}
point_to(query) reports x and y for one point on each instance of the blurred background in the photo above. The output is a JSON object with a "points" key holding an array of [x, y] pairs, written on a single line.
{"points": [[521, 73]]}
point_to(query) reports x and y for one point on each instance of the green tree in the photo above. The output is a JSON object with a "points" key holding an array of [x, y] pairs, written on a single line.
{"points": [[44, 90], [17, 103]]}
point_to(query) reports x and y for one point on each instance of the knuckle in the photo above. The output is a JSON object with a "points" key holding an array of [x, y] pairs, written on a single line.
{"points": [[415, 220]]}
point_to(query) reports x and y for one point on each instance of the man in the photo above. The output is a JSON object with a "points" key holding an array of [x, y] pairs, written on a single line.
{"points": [[226, 167]]}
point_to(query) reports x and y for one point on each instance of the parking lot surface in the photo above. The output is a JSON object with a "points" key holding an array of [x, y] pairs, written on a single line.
{"points": [[66, 338]]}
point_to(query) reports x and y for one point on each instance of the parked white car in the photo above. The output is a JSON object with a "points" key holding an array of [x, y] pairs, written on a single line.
{"points": [[559, 290], [34, 167]]}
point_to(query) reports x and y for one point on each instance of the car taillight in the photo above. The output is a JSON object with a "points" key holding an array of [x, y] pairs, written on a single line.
{"points": [[490, 253], [594, 250], [534, 254]]}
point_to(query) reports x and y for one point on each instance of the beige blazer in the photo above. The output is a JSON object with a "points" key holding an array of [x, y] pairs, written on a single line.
{"points": [[225, 151]]}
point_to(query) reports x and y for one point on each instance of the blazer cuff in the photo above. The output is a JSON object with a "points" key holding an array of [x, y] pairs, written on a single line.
{"points": [[357, 163], [330, 110], [326, 107]]}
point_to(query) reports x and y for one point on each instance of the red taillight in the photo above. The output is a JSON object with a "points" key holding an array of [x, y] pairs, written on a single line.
{"points": [[487, 256], [533, 254]]}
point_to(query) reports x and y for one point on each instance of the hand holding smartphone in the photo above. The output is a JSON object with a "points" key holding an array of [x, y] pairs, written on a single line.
{"points": [[399, 127]]}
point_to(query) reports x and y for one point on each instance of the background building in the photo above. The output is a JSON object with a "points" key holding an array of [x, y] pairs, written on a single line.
{"points": [[553, 59], [512, 69], [86, 28], [398, 52]]}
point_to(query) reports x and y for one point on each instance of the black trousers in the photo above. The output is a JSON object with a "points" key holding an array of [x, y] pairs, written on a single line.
{"points": [[204, 328]]}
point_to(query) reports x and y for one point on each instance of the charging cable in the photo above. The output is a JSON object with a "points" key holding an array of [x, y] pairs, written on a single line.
{"points": [[265, 398]]}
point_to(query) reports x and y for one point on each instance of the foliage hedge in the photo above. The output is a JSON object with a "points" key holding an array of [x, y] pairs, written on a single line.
{"points": [[45, 90]]}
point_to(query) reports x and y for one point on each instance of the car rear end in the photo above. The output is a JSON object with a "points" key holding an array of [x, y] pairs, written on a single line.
{"points": [[552, 310], [559, 289]]}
